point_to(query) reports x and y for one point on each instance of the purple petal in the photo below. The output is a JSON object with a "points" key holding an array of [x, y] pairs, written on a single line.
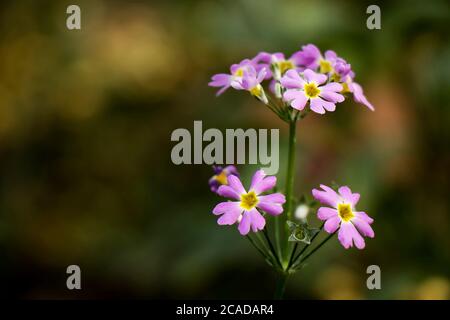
{"points": [[270, 207], [319, 105], [348, 196], [230, 217], [292, 80], [274, 197], [332, 96], [244, 225], [265, 184], [316, 77], [226, 206], [292, 94], [363, 227], [332, 86], [299, 102], [236, 184], [359, 96], [349, 235], [257, 178], [328, 196], [325, 213], [257, 221], [308, 56], [363, 216], [228, 192], [330, 55], [332, 224]]}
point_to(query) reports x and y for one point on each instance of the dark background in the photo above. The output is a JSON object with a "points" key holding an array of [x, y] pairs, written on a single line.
{"points": [[85, 170]]}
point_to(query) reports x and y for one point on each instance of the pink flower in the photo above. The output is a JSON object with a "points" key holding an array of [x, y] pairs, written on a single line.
{"points": [[251, 82], [220, 176], [308, 88], [244, 210], [352, 224], [224, 80], [276, 64]]}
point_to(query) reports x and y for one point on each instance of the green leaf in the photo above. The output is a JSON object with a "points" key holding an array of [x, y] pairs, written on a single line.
{"points": [[301, 232]]}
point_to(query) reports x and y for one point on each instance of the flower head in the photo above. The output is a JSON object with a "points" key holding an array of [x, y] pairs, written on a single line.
{"points": [[224, 80], [220, 176], [309, 87], [353, 225], [251, 82], [244, 210]]}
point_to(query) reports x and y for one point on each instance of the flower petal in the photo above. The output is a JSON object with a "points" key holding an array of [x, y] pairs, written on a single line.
{"points": [[316, 77], [328, 196], [347, 195], [332, 96], [265, 184], [236, 184], [332, 224], [349, 235], [226, 206], [228, 192], [299, 102], [363, 227], [244, 225], [325, 213], [230, 217], [363, 216], [257, 221]]}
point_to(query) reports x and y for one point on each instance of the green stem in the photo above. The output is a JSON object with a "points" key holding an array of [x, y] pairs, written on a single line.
{"points": [[290, 175], [272, 249], [258, 248], [317, 248], [281, 286]]}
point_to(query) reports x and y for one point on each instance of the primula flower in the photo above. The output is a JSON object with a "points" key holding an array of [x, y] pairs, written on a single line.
{"points": [[276, 64], [308, 88], [224, 80], [220, 176], [352, 224], [251, 81], [244, 210]]}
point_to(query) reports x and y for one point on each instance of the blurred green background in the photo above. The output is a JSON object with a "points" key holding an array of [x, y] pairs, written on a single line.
{"points": [[85, 170]]}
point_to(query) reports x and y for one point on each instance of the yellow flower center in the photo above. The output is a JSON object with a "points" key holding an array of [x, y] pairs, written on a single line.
{"points": [[325, 66], [239, 72], [345, 212], [256, 91], [335, 77], [345, 87], [221, 178], [311, 90], [249, 200], [285, 66]]}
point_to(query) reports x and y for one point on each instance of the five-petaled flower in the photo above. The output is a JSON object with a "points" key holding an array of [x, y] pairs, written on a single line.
{"points": [[220, 176], [245, 209], [352, 224], [224, 80], [301, 89]]}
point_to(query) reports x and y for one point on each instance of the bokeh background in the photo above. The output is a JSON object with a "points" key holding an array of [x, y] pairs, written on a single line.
{"points": [[85, 124]]}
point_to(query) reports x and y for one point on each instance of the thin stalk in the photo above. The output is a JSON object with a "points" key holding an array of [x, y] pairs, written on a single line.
{"points": [[272, 249], [281, 286], [258, 248], [317, 248]]}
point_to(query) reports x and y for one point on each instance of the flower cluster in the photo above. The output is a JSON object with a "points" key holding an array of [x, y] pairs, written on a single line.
{"points": [[306, 76]]}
